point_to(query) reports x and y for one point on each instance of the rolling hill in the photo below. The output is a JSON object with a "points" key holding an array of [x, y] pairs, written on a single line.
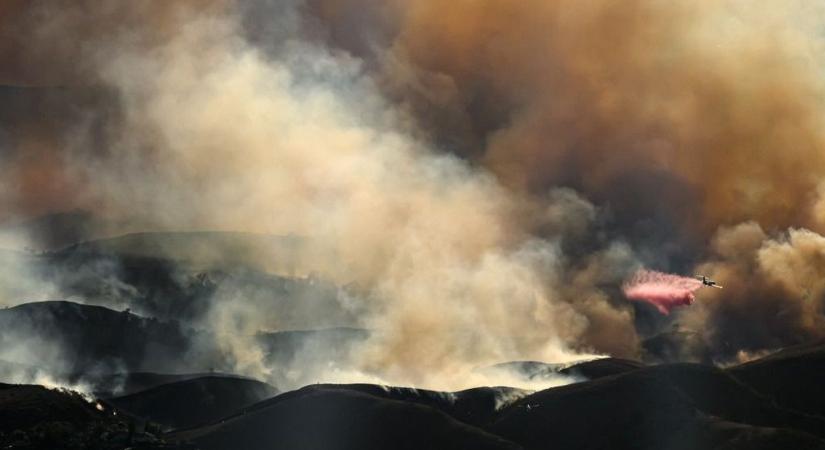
{"points": [[322, 418], [793, 377], [187, 403]]}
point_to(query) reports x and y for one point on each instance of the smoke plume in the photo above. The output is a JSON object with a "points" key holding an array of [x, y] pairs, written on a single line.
{"points": [[213, 133], [773, 292]]}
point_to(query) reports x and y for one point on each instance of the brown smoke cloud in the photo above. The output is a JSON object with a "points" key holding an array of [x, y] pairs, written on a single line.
{"points": [[44, 42], [50, 90], [722, 98], [774, 292], [680, 116]]}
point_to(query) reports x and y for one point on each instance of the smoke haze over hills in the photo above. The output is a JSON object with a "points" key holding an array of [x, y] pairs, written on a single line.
{"points": [[473, 181]]}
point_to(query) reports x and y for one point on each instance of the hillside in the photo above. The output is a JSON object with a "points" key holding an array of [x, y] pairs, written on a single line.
{"points": [[792, 377], [109, 349], [187, 403], [320, 418], [182, 276], [36, 418], [653, 410], [67, 337]]}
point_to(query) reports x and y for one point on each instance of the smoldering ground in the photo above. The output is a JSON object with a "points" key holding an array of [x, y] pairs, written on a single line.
{"points": [[486, 175]]}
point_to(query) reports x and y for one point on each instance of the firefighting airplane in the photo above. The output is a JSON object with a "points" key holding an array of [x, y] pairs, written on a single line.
{"points": [[708, 282]]}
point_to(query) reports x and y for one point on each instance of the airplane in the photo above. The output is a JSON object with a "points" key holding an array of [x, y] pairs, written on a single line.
{"points": [[708, 282]]}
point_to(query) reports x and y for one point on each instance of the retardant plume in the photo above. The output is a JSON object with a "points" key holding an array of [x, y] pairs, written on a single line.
{"points": [[664, 291]]}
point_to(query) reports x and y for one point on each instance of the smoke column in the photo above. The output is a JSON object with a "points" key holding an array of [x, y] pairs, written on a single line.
{"points": [[664, 291]]}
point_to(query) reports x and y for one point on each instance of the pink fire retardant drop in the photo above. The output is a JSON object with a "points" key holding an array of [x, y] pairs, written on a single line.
{"points": [[664, 291]]}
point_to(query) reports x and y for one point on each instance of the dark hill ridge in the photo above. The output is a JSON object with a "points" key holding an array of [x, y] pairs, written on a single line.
{"points": [[666, 407], [80, 342], [648, 409], [587, 370], [792, 377], [36, 418], [67, 337], [122, 384], [715, 392], [24, 406], [681, 406], [179, 276], [599, 368], [476, 406], [621, 412], [154, 286], [322, 418], [187, 403], [102, 385]]}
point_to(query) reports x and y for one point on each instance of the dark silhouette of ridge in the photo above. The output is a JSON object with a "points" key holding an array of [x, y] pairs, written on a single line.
{"points": [[37, 418], [177, 276], [666, 407], [793, 377], [476, 406], [122, 384], [69, 337], [592, 369], [322, 418], [646, 410], [603, 367], [24, 406], [191, 402]]}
